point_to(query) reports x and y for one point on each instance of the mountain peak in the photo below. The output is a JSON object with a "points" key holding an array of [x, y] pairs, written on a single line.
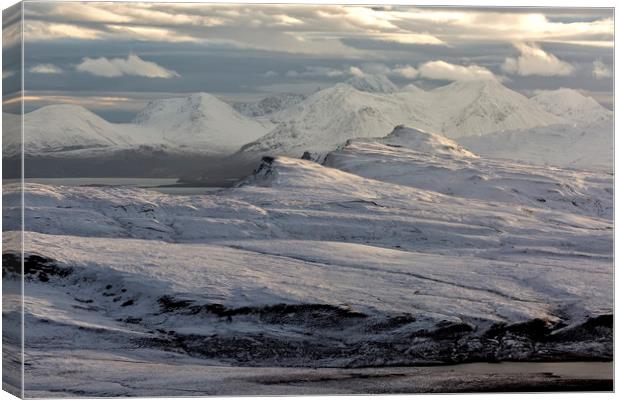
{"points": [[200, 119], [481, 85], [60, 110], [425, 142], [201, 97], [373, 83]]}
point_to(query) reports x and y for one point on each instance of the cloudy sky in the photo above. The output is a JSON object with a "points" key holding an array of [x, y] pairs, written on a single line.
{"points": [[112, 57]]}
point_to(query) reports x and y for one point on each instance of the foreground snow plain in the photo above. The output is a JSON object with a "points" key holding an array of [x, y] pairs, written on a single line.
{"points": [[414, 251]]}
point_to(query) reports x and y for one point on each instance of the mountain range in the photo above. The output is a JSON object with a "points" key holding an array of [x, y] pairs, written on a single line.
{"points": [[484, 116]]}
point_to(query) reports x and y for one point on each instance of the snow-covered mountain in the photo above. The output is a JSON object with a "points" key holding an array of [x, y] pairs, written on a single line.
{"points": [[58, 128], [331, 116], [572, 105], [582, 145], [200, 121], [169, 138], [476, 108], [584, 140], [197, 124], [269, 105], [373, 83]]}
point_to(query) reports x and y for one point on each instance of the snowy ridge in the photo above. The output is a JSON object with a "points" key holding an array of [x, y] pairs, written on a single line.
{"points": [[374, 83], [457, 172], [572, 105], [425, 142], [583, 146], [269, 105]]}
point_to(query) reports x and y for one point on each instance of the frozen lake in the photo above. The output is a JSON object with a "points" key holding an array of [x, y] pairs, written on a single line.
{"points": [[162, 185]]}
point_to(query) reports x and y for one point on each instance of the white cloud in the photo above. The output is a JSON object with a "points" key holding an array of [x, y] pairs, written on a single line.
{"points": [[7, 73], [115, 67], [270, 74], [442, 70], [151, 34], [410, 38], [356, 71], [406, 71], [535, 61], [40, 31], [600, 70], [45, 69], [507, 26]]}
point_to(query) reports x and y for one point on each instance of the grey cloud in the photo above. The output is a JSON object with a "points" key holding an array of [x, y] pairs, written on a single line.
{"points": [[245, 50]]}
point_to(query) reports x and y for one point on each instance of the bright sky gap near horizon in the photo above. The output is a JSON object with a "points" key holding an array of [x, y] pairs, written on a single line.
{"points": [[113, 57]]}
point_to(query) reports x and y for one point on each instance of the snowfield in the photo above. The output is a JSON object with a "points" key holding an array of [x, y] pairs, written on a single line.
{"points": [[414, 252]]}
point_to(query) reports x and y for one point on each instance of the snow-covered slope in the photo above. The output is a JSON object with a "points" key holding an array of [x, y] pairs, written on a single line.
{"points": [[199, 121], [269, 105], [572, 105], [449, 169], [58, 128], [588, 146], [373, 83]]}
